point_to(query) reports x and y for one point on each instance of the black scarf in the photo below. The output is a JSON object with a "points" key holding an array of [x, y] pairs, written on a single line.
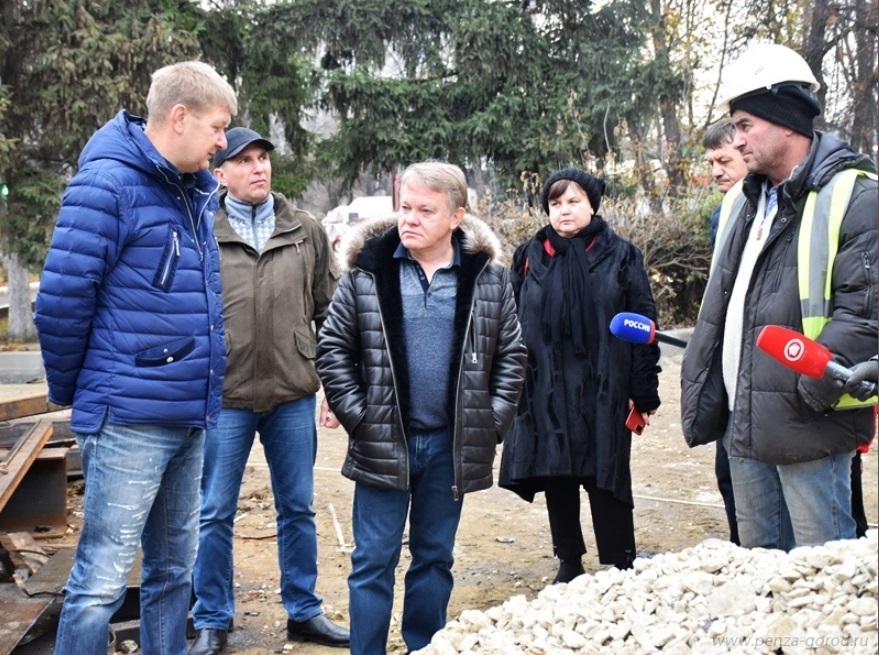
{"points": [[568, 311]]}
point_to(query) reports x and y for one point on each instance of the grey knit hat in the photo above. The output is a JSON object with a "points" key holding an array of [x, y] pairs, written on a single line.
{"points": [[593, 186]]}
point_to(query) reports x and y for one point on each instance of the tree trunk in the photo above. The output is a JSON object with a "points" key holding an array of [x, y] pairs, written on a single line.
{"points": [[21, 320], [865, 124], [815, 47], [670, 147]]}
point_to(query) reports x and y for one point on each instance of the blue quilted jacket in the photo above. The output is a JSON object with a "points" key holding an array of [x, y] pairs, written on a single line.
{"points": [[129, 312]]}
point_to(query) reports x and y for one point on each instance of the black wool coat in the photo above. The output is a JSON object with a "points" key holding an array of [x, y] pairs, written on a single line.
{"points": [[571, 417]]}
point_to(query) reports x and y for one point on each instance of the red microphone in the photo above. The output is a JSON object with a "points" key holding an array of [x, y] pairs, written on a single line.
{"points": [[803, 355]]}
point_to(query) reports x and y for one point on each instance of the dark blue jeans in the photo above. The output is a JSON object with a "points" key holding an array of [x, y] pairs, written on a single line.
{"points": [[379, 518], [289, 438]]}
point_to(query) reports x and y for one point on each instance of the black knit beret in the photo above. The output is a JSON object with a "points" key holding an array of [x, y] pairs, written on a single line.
{"points": [[593, 186], [790, 105]]}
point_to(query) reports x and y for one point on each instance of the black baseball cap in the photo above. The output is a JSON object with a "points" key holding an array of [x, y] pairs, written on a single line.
{"points": [[237, 139]]}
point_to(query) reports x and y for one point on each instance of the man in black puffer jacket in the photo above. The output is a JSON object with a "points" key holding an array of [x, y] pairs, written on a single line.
{"points": [[422, 360], [790, 438]]}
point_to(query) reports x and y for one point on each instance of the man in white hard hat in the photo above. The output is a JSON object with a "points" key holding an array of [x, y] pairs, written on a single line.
{"points": [[797, 247]]}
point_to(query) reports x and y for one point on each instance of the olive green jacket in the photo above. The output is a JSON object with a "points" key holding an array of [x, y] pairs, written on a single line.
{"points": [[273, 304]]}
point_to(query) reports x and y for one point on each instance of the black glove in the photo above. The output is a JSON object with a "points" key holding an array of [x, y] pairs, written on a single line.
{"points": [[819, 393], [864, 372]]}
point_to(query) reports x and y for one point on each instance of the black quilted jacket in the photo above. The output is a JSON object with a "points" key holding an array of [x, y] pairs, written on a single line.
{"points": [[361, 358]]}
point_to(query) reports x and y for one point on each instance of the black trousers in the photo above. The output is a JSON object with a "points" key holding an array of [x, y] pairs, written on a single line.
{"points": [[858, 512], [724, 484], [612, 522]]}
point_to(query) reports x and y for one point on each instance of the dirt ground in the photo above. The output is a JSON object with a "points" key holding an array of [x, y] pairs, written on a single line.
{"points": [[503, 546]]}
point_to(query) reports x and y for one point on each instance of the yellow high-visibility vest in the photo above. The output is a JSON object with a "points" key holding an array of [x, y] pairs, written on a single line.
{"points": [[822, 218]]}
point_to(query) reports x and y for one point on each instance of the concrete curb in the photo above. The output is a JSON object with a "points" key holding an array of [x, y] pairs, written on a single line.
{"points": [[21, 367]]}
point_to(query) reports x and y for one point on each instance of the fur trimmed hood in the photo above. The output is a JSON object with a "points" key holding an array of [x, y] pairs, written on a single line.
{"points": [[475, 235]]}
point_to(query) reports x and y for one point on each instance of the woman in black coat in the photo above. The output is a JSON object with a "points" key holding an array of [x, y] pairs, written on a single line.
{"points": [[570, 279]]}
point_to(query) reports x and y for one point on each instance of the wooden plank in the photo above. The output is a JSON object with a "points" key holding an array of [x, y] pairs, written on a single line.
{"points": [[27, 405], [14, 468]]}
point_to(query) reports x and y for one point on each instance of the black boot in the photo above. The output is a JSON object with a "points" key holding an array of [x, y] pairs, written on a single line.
{"points": [[625, 561], [568, 570]]}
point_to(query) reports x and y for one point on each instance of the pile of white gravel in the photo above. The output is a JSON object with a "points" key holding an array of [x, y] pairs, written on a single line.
{"points": [[713, 598]]}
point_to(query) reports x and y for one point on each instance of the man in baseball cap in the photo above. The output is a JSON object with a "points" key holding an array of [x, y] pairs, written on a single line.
{"points": [[237, 139], [277, 270]]}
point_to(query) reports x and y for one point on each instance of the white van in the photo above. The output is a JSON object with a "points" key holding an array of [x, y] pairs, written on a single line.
{"points": [[340, 218]]}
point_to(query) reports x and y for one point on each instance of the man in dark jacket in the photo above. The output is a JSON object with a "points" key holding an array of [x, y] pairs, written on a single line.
{"points": [[278, 278], [727, 165], [421, 360], [789, 440], [130, 321], [727, 168]]}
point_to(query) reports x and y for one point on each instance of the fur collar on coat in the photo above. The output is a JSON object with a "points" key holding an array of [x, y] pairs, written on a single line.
{"points": [[474, 233]]}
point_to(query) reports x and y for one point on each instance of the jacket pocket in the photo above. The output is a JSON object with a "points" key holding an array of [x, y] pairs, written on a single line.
{"points": [[305, 344], [869, 284], [164, 277], [709, 414], [167, 354]]}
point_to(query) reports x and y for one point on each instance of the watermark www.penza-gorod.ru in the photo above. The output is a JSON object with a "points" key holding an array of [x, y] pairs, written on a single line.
{"points": [[792, 641]]}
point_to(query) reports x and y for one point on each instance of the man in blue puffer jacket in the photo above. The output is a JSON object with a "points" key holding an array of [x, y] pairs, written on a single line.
{"points": [[130, 321]]}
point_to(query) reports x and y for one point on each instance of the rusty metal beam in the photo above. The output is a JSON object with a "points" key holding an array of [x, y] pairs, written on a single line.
{"points": [[19, 613], [50, 579], [18, 460], [11, 431], [39, 503]]}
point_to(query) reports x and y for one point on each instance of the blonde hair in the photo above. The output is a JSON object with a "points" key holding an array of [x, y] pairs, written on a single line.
{"points": [[194, 84], [439, 176]]}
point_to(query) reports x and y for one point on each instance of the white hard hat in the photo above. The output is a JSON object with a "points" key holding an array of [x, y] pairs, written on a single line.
{"points": [[760, 67]]}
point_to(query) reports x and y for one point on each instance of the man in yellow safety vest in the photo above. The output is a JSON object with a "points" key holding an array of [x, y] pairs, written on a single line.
{"points": [[797, 248]]}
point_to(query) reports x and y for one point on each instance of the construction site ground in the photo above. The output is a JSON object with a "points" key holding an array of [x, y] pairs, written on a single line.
{"points": [[503, 546]]}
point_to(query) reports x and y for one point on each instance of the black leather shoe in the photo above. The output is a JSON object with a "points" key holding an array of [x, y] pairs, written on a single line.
{"points": [[320, 630], [209, 642]]}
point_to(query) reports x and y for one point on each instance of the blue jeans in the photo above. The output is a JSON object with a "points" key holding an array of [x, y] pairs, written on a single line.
{"points": [[141, 487], [379, 518], [289, 438], [790, 505]]}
